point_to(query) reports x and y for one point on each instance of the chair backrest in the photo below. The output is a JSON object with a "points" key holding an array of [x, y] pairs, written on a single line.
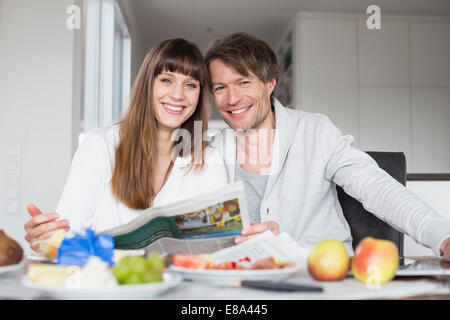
{"points": [[363, 223]]}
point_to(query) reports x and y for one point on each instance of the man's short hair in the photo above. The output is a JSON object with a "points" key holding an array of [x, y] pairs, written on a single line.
{"points": [[245, 52]]}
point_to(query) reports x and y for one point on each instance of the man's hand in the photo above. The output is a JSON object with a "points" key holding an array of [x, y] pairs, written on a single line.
{"points": [[445, 249], [257, 228]]}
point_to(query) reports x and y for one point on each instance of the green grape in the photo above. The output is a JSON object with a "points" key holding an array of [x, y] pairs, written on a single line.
{"points": [[150, 276], [138, 269], [121, 272], [126, 260], [132, 279], [155, 262], [138, 265]]}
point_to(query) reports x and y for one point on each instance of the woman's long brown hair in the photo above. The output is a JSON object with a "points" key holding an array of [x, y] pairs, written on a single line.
{"points": [[136, 152]]}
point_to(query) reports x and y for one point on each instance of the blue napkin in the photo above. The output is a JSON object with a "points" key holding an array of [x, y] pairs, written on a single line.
{"points": [[77, 249]]}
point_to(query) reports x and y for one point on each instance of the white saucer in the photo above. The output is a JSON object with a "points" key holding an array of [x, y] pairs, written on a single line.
{"points": [[122, 292]]}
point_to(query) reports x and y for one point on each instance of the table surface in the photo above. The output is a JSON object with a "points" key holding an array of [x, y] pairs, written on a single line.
{"points": [[444, 280], [431, 287]]}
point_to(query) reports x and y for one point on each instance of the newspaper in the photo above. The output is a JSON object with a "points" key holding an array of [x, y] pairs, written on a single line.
{"points": [[282, 247], [202, 224]]}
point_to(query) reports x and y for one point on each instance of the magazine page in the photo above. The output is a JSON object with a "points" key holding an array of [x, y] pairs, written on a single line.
{"points": [[219, 213], [282, 247]]}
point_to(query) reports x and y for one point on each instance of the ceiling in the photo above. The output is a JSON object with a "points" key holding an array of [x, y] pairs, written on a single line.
{"points": [[203, 20]]}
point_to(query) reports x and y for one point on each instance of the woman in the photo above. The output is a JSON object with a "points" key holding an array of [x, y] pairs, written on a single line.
{"points": [[121, 170]]}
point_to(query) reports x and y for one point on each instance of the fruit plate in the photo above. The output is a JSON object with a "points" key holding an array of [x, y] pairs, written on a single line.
{"points": [[122, 292], [11, 268], [233, 277]]}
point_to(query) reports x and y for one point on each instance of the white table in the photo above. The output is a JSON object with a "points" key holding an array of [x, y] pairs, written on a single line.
{"points": [[349, 288]]}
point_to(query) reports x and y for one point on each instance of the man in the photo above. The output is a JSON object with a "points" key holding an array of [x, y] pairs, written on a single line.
{"points": [[293, 188]]}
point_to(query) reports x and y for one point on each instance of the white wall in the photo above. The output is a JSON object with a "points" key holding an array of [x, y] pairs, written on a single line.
{"points": [[36, 103], [389, 88], [328, 77]]}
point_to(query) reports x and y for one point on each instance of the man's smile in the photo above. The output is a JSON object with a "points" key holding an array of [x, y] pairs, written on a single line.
{"points": [[239, 112]]}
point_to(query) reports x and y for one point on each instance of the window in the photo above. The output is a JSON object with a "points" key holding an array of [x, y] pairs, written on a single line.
{"points": [[122, 59], [107, 64]]}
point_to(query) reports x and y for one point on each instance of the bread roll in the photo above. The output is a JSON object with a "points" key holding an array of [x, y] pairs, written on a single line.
{"points": [[10, 251]]}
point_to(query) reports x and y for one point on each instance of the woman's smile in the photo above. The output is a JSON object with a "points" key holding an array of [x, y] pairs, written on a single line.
{"points": [[173, 108]]}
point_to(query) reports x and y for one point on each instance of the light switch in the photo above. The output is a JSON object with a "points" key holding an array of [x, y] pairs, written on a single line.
{"points": [[12, 206], [12, 193], [12, 179], [13, 166], [13, 174], [13, 151]]}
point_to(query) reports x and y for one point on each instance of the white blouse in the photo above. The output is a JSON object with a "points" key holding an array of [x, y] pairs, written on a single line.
{"points": [[87, 200]]}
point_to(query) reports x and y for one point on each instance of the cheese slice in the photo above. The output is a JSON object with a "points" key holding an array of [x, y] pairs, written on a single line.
{"points": [[49, 274]]}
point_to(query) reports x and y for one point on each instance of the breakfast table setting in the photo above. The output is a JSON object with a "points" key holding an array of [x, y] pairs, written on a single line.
{"points": [[438, 287], [88, 267]]}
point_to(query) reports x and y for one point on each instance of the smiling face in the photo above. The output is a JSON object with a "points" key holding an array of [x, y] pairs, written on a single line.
{"points": [[243, 101], [175, 98]]}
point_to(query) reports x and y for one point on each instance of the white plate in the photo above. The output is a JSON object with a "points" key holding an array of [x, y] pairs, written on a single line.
{"points": [[37, 258], [233, 277], [123, 292], [11, 268]]}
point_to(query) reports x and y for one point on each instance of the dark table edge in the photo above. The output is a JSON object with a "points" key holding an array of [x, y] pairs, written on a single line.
{"points": [[428, 177]]}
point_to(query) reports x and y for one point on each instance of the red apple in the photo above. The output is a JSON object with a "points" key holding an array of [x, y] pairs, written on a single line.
{"points": [[375, 261], [328, 261]]}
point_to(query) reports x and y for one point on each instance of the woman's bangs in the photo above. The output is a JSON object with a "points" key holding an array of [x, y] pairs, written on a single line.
{"points": [[187, 65]]}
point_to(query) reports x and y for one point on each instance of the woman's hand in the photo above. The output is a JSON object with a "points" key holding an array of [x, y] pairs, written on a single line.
{"points": [[257, 228], [42, 225]]}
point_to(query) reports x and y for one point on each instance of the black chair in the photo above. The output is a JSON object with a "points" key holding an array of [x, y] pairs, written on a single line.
{"points": [[365, 224]]}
